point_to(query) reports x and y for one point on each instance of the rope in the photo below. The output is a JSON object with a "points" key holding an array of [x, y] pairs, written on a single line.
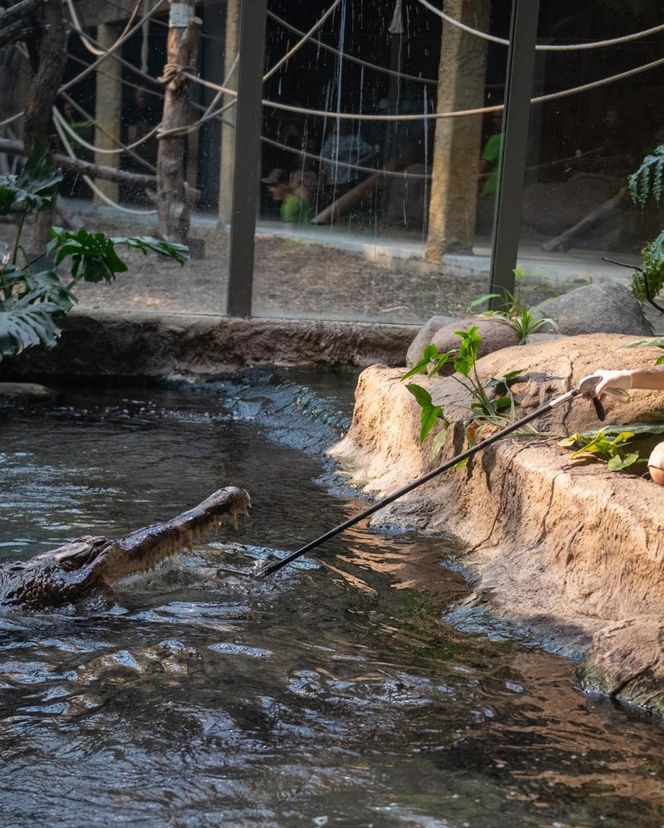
{"points": [[185, 130], [128, 33], [85, 40], [11, 119], [302, 41], [351, 58], [432, 116], [57, 121], [101, 150], [145, 38], [542, 47], [114, 138], [358, 167], [210, 112]]}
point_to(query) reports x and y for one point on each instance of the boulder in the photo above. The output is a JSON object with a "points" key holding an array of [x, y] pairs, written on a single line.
{"points": [[495, 333], [423, 337], [604, 308]]}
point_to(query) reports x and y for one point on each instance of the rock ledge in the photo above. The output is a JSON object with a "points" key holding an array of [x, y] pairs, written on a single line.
{"points": [[556, 544]]}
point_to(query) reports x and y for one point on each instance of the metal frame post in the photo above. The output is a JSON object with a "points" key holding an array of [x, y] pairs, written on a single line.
{"points": [[247, 157], [512, 168]]}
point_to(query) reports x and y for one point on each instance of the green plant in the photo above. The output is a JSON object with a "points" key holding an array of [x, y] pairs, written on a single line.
{"points": [[33, 300], [490, 401], [648, 342], [646, 182], [520, 318], [599, 445]]}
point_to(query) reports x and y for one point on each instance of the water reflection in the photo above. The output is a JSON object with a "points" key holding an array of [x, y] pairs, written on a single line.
{"points": [[332, 694]]}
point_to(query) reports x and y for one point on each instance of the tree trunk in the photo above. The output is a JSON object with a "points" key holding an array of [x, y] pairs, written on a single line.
{"points": [[182, 49], [227, 162], [50, 55], [457, 145]]}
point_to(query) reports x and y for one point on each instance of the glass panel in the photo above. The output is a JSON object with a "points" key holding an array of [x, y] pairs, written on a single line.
{"points": [[582, 147], [120, 104], [356, 213]]}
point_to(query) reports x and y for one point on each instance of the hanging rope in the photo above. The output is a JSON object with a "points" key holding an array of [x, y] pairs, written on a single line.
{"points": [[145, 38], [432, 116], [128, 33], [302, 41], [87, 41], [58, 121], [351, 58], [542, 47]]}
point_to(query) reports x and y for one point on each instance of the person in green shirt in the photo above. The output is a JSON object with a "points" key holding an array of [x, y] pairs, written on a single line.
{"points": [[292, 194], [491, 158]]}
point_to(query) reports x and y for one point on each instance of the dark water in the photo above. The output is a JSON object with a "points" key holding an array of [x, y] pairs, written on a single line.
{"points": [[331, 695]]}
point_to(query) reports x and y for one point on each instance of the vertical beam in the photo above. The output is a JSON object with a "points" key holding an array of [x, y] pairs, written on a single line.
{"points": [[108, 107], [457, 141], [227, 157], [512, 169], [247, 157]]}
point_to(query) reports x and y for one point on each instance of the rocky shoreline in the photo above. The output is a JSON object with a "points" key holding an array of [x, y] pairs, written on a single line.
{"points": [[557, 545]]}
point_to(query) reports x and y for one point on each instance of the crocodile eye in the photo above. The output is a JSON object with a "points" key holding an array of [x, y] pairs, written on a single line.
{"points": [[79, 553]]}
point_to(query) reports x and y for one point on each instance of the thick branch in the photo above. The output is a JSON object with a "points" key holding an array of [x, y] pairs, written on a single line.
{"points": [[17, 23], [94, 170], [83, 167]]}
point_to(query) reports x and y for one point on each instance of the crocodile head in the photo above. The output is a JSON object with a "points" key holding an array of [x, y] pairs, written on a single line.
{"points": [[73, 571]]}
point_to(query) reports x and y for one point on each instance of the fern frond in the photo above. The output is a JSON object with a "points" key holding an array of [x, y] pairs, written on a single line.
{"points": [[648, 179]]}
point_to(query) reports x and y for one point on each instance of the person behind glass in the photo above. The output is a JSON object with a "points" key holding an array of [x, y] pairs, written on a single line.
{"points": [[294, 208], [488, 169], [618, 383]]}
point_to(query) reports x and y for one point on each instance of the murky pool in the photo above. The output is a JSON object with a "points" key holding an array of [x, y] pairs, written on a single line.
{"points": [[333, 694]]}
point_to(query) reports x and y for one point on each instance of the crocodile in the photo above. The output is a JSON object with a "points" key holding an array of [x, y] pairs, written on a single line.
{"points": [[90, 563]]}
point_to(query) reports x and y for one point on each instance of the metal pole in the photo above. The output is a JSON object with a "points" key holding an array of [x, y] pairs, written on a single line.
{"points": [[512, 168], [247, 157]]}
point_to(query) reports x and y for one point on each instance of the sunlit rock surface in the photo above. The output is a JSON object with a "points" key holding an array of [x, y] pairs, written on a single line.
{"points": [[562, 546]]}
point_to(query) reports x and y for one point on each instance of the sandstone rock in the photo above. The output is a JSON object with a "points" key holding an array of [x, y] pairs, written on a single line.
{"points": [[621, 653], [561, 546], [605, 308], [424, 335]]}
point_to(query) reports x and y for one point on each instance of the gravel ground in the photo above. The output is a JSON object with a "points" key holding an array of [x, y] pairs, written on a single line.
{"points": [[292, 279]]}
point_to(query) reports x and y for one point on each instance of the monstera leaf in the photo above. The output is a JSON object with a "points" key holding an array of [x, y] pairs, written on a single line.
{"points": [[34, 188], [23, 326], [93, 255], [148, 244]]}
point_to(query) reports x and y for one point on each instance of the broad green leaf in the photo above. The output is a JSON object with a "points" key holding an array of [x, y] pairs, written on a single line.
{"points": [[178, 252], [422, 396], [618, 463], [428, 419], [438, 441], [34, 188], [649, 342], [419, 368], [569, 442], [24, 327]]}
